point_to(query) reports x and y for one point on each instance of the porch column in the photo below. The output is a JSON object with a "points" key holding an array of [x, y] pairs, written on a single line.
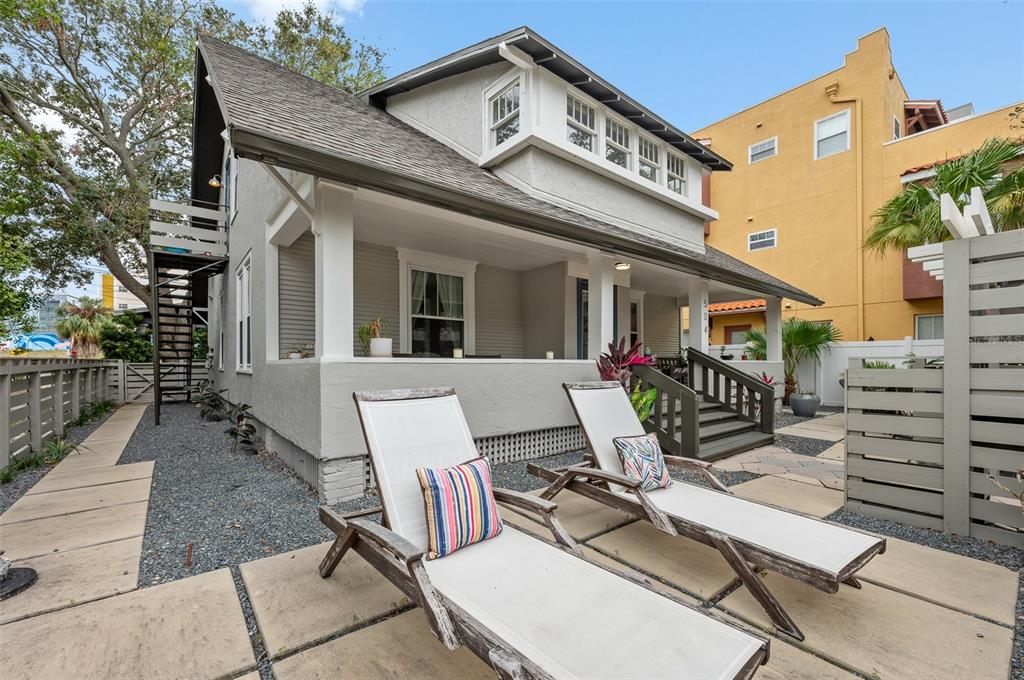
{"points": [[600, 303], [333, 226], [697, 301], [773, 327]]}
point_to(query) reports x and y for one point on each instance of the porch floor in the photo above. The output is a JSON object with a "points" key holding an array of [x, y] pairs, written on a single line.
{"points": [[356, 624]]}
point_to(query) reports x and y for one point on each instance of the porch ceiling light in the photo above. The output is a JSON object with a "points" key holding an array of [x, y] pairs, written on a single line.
{"points": [[215, 182], [622, 266]]}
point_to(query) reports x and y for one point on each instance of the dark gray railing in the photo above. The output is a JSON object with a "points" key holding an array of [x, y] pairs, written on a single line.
{"points": [[735, 390], [675, 418]]}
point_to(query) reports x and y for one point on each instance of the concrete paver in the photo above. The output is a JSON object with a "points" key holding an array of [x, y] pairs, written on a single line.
{"points": [[59, 480], [584, 518], [400, 647], [882, 633], [785, 493], [59, 534], [955, 581], [190, 628], [69, 501], [789, 663], [295, 607], [76, 577], [685, 564], [835, 452]]}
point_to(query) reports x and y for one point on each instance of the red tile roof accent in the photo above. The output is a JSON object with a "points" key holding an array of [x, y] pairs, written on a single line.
{"points": [[734, 306]]}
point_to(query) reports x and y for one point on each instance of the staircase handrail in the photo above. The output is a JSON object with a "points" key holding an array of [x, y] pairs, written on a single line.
{"points": [[764, 390], [670, 392]]}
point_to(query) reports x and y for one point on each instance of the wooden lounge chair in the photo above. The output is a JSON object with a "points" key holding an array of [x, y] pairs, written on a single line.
{"points": [[820, 553], [528, 607]]}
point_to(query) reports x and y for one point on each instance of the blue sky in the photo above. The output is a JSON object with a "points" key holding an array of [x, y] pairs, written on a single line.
{"points": [[697, 62]]}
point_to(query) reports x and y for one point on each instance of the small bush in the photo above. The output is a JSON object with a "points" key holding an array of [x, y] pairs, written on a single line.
{"points": [[56, 450], [242, 431]]}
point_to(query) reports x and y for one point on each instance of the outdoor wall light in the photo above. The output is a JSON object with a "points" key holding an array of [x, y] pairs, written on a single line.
{"points": [[622, 266], [215, 182]]}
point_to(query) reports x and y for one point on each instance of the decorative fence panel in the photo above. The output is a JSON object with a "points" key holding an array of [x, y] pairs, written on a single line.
{"points": [[941, 448], [39, 398], [133, 382]]}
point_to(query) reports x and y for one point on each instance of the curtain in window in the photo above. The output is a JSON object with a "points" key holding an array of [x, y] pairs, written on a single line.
{"points": [[419, 292], [449, 294]]}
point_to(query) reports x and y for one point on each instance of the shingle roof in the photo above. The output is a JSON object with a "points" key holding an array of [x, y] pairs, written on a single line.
{"points": [[268, 101]]}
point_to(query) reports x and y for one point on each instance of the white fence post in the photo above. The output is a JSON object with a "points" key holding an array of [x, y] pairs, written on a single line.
{"points": [[5, 420], [76, 393], [58, 403], [956, 387], [34, 415]]}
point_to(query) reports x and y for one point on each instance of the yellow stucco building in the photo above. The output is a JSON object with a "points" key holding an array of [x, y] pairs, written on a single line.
{"points": [[811, 166]]}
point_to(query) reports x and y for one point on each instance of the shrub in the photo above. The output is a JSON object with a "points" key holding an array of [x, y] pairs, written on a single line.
{"points": [[127, 337]]}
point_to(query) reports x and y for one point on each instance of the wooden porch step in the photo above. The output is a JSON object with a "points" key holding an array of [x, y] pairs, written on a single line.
{"points": [[724, 428], [736, 443], [708, 416], [708, 405]]}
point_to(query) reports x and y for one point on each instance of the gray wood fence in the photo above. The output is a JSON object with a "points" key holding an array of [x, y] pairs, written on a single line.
{"points": [[39, 398], [940, 447], [133, 383]]}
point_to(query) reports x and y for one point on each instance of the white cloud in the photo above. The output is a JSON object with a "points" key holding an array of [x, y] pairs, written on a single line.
{"points": [[265, 11]]}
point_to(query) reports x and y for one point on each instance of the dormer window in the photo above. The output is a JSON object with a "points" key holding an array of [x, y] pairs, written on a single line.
{"points": [[616, 140], [505, 114], [676, 178], [648, 165], [580, 126]]}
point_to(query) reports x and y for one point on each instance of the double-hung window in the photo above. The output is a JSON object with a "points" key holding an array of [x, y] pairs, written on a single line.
{"points": [[761, 240], [832, 135], [676, 174], [438, 320], [928, 327], [581, 126], [616, 142], [648, 164], [243, 313], [897, 129], [762, 150], [505, 114]]}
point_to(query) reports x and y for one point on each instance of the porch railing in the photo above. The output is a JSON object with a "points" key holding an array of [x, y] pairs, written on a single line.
{"points": [[735, 390], [188, 229], [675, 418]]}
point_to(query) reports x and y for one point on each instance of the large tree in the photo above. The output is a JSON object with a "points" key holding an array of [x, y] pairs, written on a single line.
{"points": [[96, 114], [911, 217]]}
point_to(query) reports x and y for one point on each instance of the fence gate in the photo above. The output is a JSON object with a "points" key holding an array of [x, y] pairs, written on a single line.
{"points": [[134, 381]]}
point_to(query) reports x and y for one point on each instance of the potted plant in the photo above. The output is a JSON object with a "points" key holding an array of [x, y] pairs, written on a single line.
{"points": [[294, 353], [371, 336], [800, 339], [725, 357], [804, 403]]}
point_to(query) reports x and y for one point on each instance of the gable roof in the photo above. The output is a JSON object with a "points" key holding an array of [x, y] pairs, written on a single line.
{"points": [[280, 117], [560, 64]]}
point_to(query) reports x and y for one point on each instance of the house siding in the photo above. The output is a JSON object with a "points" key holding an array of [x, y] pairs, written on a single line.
{"points": [[661, 324], [499, 312], [296, 266], [376, 290]]}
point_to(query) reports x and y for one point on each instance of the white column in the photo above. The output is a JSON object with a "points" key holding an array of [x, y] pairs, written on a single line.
{"points": [[600, 305], [698, 304], [773, 327], [333, 226]]}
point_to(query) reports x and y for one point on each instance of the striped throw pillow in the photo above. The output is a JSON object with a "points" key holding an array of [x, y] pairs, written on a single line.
{"points": [[643, 461], [460, 506]]}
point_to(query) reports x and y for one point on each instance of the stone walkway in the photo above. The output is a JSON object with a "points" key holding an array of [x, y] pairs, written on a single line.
{"points": [[921, 614]]}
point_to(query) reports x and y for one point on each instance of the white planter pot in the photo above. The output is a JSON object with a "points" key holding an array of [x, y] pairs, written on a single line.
{"points": [[380, 347]]}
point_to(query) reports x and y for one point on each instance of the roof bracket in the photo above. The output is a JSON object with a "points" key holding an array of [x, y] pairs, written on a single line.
{"points": [[293, 194]]}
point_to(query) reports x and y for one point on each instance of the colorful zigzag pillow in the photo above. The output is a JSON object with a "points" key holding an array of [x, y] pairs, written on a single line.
{"points": [[643, 461]]}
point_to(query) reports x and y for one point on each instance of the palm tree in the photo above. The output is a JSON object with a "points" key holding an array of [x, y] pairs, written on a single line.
{"points": [[801, 339], [83, 323], [911, 217]]}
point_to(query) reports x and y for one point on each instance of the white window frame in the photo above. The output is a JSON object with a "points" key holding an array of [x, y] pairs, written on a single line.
{"points": [[243, 315], [917, 320], [774, 239], [437, 264], [657, 164], [681, 175], [573, 123], [636, 297], [775, 150], [518, 112], [897, 128], [607, 141], [845, 113]]}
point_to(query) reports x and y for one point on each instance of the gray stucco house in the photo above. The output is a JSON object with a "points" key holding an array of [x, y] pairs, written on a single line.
{"points": [[504, 201]]}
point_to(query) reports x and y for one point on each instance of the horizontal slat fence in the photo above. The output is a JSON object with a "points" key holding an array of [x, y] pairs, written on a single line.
{"points": [[941, 447], [40, 397]]}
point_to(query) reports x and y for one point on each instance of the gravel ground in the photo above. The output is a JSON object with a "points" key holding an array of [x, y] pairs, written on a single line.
{"points": [[805, 446], [1011, 558], [26, 479], [787, 418], [230, 507]]}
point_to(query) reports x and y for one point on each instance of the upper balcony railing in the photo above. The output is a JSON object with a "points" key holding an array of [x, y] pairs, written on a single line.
{"points": [[197, 229]]}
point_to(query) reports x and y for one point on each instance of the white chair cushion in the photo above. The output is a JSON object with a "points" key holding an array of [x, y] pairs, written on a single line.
{"points": [[604, 414], [577, 620], [807, 540]]}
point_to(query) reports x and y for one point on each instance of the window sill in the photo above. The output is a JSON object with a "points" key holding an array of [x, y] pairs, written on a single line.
{"points": [[245, 371]]}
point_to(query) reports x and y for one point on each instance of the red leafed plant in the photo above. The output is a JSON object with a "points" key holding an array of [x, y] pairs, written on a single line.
{"points": [[614, 364]]}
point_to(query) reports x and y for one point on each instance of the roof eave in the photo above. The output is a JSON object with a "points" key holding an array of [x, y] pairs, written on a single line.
{"points": [[289, 154]]}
